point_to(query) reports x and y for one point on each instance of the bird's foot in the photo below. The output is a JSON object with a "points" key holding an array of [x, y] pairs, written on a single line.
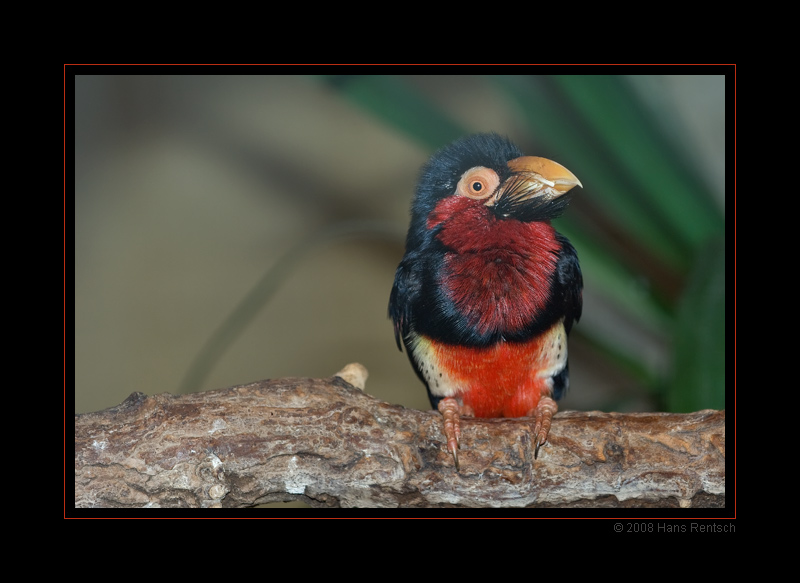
{"points": [[542, 416], [452, 411]]}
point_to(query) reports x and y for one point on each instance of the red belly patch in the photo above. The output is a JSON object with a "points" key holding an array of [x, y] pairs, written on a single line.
{"points": [[504, 380]]}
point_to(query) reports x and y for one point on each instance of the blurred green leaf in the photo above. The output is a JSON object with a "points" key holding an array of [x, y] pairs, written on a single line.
{"points": [[396, 103], [698, 371], [679, 205], [607, 275]]}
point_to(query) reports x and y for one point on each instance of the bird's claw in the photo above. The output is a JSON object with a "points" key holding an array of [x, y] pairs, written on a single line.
{"points": [[451, 411], [543, 417]]}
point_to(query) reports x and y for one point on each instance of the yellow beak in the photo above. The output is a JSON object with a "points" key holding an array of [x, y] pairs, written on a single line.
{"points": [[540, 177]]}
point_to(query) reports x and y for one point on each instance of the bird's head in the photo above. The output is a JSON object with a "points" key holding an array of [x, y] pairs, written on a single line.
{"points": [[487, 174]]}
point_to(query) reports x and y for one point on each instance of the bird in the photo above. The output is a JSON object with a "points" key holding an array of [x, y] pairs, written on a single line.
{"points": [[487, 291]]}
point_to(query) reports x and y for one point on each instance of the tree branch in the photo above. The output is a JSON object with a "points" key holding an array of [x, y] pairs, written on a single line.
{"points": [[328, 443]]}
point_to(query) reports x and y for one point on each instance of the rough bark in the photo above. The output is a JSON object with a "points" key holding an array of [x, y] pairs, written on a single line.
{"points": [[328, 443]]}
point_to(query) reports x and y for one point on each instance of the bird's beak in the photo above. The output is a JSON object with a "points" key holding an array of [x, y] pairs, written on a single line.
{"points": [[535, 177], [534, 191], [544, 172]]}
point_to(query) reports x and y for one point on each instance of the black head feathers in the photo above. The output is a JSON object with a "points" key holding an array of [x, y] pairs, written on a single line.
{"points": [[440, 175]]}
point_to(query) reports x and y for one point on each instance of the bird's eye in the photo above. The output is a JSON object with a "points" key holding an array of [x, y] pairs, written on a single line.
{"points": [[478, 183]]}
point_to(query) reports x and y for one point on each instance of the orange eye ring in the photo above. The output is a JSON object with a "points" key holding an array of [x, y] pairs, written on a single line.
{"points": [[478, 183]]}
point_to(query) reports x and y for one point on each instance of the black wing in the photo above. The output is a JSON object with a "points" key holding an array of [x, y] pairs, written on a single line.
{"points": [[569, 283], [405, 292]]}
